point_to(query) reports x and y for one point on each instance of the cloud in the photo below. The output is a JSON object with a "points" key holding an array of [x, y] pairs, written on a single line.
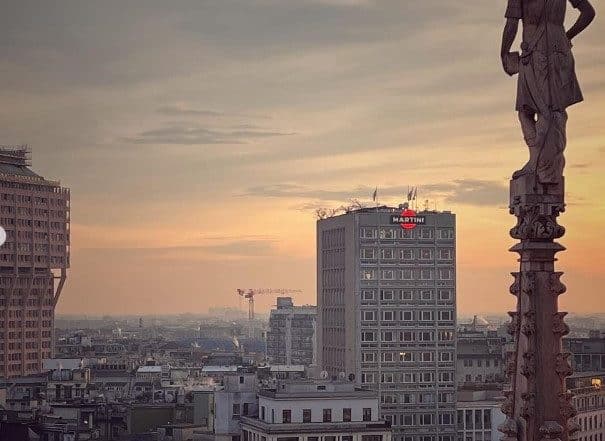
{"points": [[199, 135], [461, 191], [183, 111]]}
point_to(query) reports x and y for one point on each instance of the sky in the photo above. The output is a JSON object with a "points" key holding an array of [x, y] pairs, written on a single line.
{"points": [[198, 138]]}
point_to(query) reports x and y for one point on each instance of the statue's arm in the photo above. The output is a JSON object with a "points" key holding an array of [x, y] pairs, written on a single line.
{"points": [[587, 15], [508, 37]]}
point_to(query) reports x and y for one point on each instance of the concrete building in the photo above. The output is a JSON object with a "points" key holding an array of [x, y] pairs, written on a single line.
{"points": [[34, 212], [479, 414], [588, 390], [316, 411], [480, 356], [588, 354], [233, 401], [291, 334], [386, 287]]}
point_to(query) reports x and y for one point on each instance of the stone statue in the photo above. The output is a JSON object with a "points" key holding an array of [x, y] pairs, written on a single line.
{"points": [[547, 82]]}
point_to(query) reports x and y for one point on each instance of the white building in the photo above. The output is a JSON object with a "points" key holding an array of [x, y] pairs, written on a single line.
{"points": [[316, 411], [233, 401], [588, 391], [479, 415]]}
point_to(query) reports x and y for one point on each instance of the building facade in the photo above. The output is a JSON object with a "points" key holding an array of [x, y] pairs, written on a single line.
{"points": [[386, 287], [588, 390], [480, 357], [479, 413], [316, 411], [291, 334], [588, 354], [34, 212]]}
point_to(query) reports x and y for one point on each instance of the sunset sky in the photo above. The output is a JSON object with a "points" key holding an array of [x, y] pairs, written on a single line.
{"points": [[198, 137]]}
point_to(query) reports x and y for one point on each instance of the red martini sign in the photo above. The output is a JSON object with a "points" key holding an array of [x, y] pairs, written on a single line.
{"points": [[408, 219]]}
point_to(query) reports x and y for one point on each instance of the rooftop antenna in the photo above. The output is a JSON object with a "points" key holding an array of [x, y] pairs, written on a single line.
{"points": [[426, 205]]}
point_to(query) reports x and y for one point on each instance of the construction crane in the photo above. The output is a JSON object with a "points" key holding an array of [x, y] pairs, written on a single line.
{"points": [[250, 293]]}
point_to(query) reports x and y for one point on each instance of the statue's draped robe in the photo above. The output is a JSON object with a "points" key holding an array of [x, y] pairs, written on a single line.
{"points": [[547, 82]]}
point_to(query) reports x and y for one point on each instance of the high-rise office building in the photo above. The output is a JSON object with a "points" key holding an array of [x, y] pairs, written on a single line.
{"points": [[291, 334], [34, 212], [386, 296]]}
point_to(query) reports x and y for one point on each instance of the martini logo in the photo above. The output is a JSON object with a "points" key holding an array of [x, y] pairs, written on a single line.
{"points": [[408, 219]]}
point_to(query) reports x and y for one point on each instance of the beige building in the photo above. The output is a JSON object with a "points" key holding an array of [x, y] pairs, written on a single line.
{"points": [[588, 389], [34, 212]]}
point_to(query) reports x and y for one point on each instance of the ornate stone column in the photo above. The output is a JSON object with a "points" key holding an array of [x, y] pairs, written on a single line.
{"points": [[537, 404]]}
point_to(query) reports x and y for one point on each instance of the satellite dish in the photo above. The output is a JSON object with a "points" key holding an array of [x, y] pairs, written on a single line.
{"points": [[323, 375], [342, 375]]}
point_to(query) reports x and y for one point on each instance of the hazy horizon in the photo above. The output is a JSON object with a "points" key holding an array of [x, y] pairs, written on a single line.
{"points": [[198, 138]]}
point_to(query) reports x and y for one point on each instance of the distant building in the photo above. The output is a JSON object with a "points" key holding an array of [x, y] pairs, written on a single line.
{"points": [[314, 411], [34, 212], [386, 296], [479, 414], [291, 334], [480, 355], [588, 391], [235, 400], [588, 354]]}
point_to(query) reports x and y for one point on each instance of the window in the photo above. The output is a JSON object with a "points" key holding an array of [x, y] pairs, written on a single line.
{"points": [[427, 377], [446, 234], [426, 233], [387, 233], [388, 254], [406, 336], [367, 316], [445, 377], [388, 274], [387, 377], [446, 274], [387, 336], [368, 253], [368, 274], [445, 294], [245, 409], [406, 357], [262, 413], [327, 415], [367, 294], [426, 316], [368, 357], [407, 274], [445, 315], [408, 378], [446, 356], [445, 253], [407, 294], [426, 294], [388, 316], [387, 357], [407, 420], [426, 253], [368, 233], [425, 419], [446, 335], [407, 398], [286, 416], [346, 414], [407, 316], [368, 336], [241, 380], [407, 254], [426, 274], [387, 294], [236, 412], [306, 415], [367, 414], [427, 356], [367, 377]]}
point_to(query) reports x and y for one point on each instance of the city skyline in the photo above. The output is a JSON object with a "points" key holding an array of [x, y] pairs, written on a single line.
{"points": [[198, 140]]}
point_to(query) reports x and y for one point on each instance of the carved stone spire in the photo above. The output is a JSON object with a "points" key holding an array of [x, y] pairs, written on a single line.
{"points": [[537, 406]]}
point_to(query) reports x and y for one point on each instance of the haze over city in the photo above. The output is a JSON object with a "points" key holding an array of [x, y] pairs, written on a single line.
{"points": [[198, 138]]}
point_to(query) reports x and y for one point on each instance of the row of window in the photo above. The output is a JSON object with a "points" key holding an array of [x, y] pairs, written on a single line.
{"points": [[399, 233], [406, 294], [407, 356], [408, 274], [407, 254], [406, 377], [416, 398], [406, 336], [307, 415], [390, 315], [421, 419]]}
